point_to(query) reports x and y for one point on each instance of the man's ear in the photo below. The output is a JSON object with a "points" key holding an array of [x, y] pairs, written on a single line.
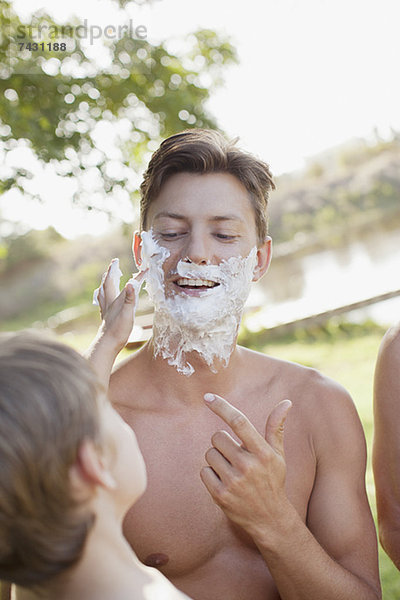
{"points": [[264, 255], [89, 469], [137, 248]]}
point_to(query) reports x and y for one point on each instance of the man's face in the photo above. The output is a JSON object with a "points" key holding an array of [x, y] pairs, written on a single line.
{"points": [[204, 219]]}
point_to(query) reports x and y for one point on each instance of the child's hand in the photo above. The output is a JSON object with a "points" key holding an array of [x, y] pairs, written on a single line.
{"points": [[117, 309]]}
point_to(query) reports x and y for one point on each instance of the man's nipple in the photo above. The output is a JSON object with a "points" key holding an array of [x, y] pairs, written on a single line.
{"points": [[156, 560]]}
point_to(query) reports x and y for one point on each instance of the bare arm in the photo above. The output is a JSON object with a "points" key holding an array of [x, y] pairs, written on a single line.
{"points": [[334, 556], [386, 450]]}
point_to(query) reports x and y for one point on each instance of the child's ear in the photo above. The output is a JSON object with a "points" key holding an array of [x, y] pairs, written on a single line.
{"points": [[89, 469], [137, 248]]}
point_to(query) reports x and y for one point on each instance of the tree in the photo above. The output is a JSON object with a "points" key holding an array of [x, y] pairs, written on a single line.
{"points": [[55, 101]]}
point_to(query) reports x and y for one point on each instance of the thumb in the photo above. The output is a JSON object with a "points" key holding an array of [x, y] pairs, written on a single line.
{"points": [[132, 288], [130, 296], [274, 427]]}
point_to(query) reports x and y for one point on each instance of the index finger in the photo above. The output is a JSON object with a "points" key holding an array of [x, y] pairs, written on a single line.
{"points": [[237, 421], [111, 281]]}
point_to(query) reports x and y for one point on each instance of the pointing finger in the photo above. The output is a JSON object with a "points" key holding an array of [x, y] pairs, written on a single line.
{"points": [[237, 421]]}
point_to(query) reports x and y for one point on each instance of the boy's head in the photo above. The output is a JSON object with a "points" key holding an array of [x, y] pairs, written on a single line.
{"points": [[206, 151], [48, 407]]}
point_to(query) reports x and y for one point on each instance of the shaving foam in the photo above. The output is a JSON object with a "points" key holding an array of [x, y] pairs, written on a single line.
{"points": [[206, 324], [115, 277]]}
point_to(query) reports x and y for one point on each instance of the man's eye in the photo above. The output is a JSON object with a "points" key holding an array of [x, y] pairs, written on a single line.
{"points": [[170, 236], [226, 237]]}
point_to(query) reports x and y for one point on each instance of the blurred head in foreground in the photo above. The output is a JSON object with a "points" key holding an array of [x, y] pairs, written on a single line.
{"points": [[67, 460]]}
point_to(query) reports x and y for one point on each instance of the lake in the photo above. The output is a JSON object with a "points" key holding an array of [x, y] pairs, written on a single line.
{"points": [[301, 285]]}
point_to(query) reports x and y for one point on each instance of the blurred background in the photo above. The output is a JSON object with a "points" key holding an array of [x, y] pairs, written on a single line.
{"points": [[88, 90]]}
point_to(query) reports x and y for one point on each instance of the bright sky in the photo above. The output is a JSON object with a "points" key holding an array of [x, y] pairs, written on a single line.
{"points": [[312, 73]]}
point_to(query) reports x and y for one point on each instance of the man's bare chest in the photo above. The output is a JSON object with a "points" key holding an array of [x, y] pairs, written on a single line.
{"points": [[176, 526]]}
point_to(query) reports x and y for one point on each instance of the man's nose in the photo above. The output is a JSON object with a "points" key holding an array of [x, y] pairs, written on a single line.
{"points": [[196, 250]]}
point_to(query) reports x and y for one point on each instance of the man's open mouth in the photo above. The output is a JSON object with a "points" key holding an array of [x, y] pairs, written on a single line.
{"points": [[197, 284]]}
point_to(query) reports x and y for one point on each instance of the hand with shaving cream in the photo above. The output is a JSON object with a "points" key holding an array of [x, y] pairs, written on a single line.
{"points": [[117, 310]]}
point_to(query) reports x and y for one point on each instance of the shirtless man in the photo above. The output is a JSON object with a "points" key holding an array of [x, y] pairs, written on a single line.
{"points": [[260, 514], [386, 451]]}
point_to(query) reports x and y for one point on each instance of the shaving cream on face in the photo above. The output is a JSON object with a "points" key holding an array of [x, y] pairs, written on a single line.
{"points": [[206, 324]]}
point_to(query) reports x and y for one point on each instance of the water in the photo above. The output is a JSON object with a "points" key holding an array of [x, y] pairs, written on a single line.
{"points": [[299, 286]]}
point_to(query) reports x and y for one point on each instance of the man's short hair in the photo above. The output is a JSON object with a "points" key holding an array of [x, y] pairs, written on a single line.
{"points": [[48, 406], [207, 151]]}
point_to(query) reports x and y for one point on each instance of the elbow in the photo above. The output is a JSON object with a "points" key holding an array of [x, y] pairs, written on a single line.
{"points": [[377, 594], [391, 545], [389, 538], [388, 509]]}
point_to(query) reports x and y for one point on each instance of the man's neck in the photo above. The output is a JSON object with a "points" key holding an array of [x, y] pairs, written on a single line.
{"points": [[191, 389]]}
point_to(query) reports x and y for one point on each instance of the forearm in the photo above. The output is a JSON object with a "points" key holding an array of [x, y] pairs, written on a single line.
{"points": [[118, 317], [390, 540], [102, 354], [302, 570]]}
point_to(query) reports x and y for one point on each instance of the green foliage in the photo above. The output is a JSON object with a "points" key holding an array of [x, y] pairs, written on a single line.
{"points": [[324, 204], [332, 330], [364, 152], [55, 100], [315, 170], [23, 249]]}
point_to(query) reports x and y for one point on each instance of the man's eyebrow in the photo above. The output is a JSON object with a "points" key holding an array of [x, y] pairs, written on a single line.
{"points": [[171, 215], [226, 218]]}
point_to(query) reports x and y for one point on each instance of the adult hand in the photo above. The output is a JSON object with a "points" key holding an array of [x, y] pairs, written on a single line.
{"points": [[247, 479]]}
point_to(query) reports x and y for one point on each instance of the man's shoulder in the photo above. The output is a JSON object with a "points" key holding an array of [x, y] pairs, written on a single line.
{"points": [[390, 345], [126, 365], [316, 398], [295, 374], [386, 379]]}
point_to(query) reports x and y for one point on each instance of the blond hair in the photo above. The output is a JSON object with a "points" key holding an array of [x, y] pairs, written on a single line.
{"points": [[48, 406], [207, 151]]}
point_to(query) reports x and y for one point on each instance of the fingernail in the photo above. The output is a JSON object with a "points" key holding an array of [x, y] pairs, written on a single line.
{"points": [[209, 398]]}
